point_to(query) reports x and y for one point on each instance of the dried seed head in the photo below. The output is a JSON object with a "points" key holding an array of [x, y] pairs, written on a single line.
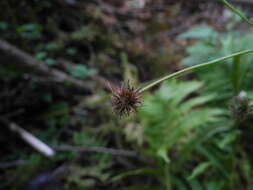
{"points": [[240, 106], [125, 100]]}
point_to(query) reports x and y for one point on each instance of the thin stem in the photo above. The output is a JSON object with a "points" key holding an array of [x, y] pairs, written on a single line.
{"points": [[192, 68], [167, 176], [236, 11]]}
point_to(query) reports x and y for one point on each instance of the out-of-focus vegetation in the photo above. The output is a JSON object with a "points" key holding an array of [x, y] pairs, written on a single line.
{"points": [[191, 133]]}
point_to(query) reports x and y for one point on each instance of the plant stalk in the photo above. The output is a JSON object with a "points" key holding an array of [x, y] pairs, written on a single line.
{"points": [[167, 175], [239, 13], [192, 68]]}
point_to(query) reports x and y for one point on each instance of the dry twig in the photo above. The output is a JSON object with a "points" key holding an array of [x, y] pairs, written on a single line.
{"points": [[30, 139], [11, 55]]}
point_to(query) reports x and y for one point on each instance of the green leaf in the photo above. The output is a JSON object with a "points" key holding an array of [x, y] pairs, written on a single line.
{"points": [[81, 138], [195, 184], [53, 46], [213, 158], [3, 25], [163, 153], [172, 115], [41, 55], [199, 170], [215, 184], [198, 32], [29, 31], [81, 71], [50, 61], [71, 51], [229, 138]]}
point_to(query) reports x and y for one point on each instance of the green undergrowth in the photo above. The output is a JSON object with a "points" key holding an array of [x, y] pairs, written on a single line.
{"points": [[190, 142]]}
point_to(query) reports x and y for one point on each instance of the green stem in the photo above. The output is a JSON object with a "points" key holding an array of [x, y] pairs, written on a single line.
{"points": [[236, 11], [167, 176], [192, 68]]}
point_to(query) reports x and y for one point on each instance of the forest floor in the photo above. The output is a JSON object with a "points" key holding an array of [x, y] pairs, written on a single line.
{"points": [[57, 58]]}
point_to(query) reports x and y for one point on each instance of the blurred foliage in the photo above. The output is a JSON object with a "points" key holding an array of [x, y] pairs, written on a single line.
{"points": [[233, 74], [80, 71], [182, 131], [171, 106], [190, 134]]}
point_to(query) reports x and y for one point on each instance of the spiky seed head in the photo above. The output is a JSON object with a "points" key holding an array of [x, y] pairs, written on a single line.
{"points": [[125, 99]]}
